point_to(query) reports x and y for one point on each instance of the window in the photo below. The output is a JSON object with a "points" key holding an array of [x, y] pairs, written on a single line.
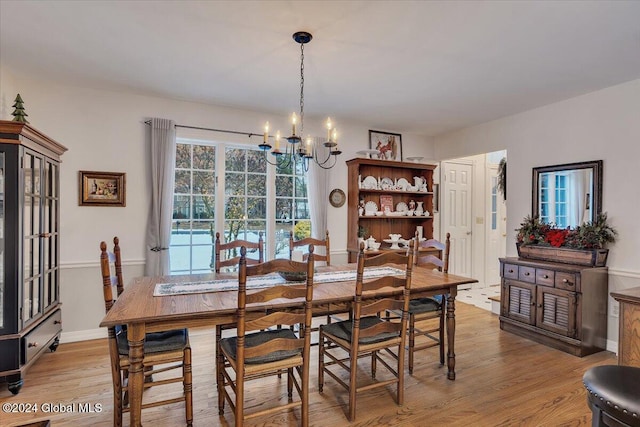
{"points": [[553, 199], [193, 225], [292, 207], [229, 195]]}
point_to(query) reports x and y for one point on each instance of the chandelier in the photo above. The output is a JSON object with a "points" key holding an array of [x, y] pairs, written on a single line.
{"points": [[296, 151]]}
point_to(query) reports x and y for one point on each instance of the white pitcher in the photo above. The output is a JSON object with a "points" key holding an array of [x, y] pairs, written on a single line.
{"points": [[417, 182]]}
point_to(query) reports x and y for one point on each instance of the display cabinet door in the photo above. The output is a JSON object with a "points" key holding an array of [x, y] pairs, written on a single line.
{"points": [[2, 240], [50, 235], [557, 311], [520, 301]]}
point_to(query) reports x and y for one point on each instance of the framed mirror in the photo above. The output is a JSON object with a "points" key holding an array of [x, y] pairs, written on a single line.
{"points": [[567, 195]]}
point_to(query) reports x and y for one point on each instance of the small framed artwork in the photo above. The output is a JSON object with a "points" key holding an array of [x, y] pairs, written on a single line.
{"points": [[386, 201], [102, 188], [388, 145]]}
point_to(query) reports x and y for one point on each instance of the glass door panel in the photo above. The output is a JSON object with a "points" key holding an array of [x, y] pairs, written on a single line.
{"points": [[2, 287]]}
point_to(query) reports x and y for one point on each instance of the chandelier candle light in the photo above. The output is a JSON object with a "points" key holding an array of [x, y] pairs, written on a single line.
{"points": [[304, 152]]}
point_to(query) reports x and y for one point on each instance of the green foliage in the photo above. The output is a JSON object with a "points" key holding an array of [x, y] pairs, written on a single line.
{"points": [[19, 115], [362, 231], [502, 177], [532, 231], [592, 235], [302, 229]]}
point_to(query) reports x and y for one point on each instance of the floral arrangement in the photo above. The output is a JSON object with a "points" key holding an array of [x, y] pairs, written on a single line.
{"points": [[590, 235]]}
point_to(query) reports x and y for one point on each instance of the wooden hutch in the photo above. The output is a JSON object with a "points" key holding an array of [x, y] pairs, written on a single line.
{"points": [[380, 227], [30, 313]]}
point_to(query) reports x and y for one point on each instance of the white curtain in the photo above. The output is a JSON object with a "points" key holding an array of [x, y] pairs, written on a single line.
{"points": [[577, 189], [163, 159], [318, 192]]}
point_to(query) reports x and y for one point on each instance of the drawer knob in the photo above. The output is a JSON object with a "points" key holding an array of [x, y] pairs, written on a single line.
{"points": [[32, 344], [566, 282], [545, 276], [527, 273], [510, 271], [57, 322]]}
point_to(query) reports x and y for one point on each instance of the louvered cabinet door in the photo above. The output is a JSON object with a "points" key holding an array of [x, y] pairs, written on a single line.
{"points": [[520, 301], [556, 311]]}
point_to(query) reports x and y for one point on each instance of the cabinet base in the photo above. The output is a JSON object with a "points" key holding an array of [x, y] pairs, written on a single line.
{"points": [[559, 342]]}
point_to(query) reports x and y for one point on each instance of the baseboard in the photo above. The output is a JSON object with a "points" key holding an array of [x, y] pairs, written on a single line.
{"points": [[88, 334]]}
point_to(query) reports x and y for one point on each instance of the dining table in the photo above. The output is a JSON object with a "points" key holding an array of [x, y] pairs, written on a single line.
{"points": [[152, 304]]}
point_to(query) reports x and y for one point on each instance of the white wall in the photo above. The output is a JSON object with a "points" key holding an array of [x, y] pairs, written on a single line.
{"points": [[600, 125], [104, 131]]}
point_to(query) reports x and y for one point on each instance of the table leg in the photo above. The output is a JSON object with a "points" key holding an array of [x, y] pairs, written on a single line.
{"points": [[451, 334], [135, 335]]}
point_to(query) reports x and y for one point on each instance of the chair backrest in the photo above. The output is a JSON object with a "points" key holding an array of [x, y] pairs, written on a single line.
{"points": [[111, 278], [441, 261], [293, 244], [232, 259], [271, 317], [373, 307]]}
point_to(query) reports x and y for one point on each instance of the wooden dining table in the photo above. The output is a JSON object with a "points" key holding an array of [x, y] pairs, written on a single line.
{"points": [[143, 312]]}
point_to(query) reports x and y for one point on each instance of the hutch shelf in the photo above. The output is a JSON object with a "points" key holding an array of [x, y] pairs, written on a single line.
{"points": [[30, 313], [363, 171]]}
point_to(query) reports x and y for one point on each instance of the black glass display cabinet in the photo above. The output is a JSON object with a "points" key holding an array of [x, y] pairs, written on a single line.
{"points": [[30, 312]]}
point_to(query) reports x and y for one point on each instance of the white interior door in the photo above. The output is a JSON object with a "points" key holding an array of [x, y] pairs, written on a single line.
{"points": [[456, 214], [496, 227]]}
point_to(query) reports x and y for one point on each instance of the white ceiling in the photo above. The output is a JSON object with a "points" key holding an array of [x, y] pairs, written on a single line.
{"points": [[410, 66]]}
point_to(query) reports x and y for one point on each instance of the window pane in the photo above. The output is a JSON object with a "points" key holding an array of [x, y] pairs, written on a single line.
{"points": [[183, 182], [183, 155], [234, 159], [256, 208], [283, 209], [181, 207], [203, 182], [284, 186], [204, 157], [234, 183], [256, 162], [256, 184], [204, 207], [234, 208]]}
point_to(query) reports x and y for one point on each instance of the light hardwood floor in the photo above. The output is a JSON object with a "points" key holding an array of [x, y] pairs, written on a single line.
{"points": [[502, 380]]}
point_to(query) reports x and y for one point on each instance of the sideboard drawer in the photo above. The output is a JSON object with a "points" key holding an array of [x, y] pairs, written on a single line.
{"points": [[527, 274], [565, 281], [36, 340], [544, 277], [510, 271]]}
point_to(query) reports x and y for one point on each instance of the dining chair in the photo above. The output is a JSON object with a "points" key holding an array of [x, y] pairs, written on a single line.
{"points": [[164, 351], [231, 248], [293, 244], [422, 309], [366, 334], [256, 351]]}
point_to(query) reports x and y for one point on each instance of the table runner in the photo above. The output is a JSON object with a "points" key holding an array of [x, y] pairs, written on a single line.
{"points": [[257, 282]]}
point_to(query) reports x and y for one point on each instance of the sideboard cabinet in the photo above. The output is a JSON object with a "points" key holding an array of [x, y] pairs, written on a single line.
{"points": [[560, 305], [30, 313], [395, 185], [629, 326]]}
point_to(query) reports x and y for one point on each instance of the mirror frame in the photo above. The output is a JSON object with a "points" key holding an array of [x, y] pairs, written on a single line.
{"points": [[596, 168]]}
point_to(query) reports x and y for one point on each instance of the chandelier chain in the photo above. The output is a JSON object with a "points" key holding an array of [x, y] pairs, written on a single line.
{"points": [[301, 88]]}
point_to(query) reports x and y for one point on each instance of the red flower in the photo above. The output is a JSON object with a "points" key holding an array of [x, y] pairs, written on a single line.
{"points": [[555, 237]]}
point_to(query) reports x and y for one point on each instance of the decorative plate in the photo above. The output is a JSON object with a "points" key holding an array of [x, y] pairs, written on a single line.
{"points": [[371, 206], [402, 207], [387, 184], [402, 184], [337, 198], [370, 183]]}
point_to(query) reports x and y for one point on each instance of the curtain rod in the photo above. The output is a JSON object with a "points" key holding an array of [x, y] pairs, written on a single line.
{"points": [[249, 134]]}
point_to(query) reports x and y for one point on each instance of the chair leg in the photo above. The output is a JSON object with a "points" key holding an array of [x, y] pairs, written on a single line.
{"points": [[219, 369], [290, 384], [442, 341], [320, 360], [412, 340], [188, 385], [353, 387], [374, 363]]}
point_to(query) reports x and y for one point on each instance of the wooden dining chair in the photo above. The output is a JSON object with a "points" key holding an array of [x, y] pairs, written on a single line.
{"points": [[366, 334], [256, 351], [163, 351], [293, 244], [232, 249], [422, 309]]}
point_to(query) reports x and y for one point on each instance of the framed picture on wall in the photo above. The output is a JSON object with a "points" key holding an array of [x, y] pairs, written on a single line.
{"points": [[102, 188], [388, 145]]}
